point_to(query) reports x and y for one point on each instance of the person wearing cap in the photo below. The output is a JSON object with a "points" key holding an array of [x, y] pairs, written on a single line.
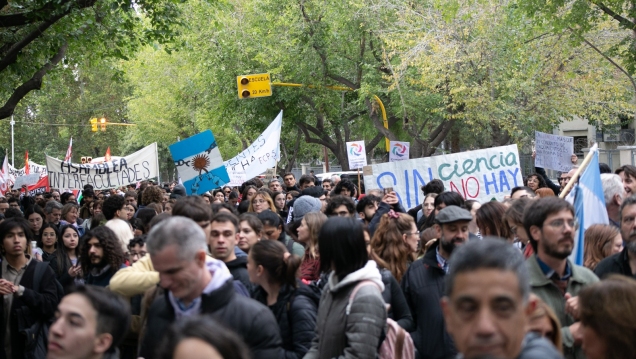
{"points": [[423, 284]]}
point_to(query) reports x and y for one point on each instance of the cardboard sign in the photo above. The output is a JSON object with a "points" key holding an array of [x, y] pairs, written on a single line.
{"points": [[398, 151], [356, 154], [28, 180], [199, 163], [140, 166], [553, 152], [478, 175]]}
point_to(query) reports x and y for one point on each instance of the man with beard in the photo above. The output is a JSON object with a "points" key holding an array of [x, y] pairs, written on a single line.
{"points": [[423, 284], [551, 225], [101, 256], [624, 262]]}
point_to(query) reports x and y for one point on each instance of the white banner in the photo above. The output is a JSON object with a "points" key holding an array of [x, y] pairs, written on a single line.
{"points": [[553, 152], [478, 175], [28, 180], [356, 154], [33, 168], [260, 155], [140, 166], [398, 151]]}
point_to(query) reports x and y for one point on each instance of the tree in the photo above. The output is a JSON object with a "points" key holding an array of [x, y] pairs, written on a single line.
{"points": [[35, 36]]}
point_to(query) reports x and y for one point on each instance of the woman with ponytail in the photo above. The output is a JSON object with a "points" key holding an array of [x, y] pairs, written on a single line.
{"points": [[274, 272], [395, 242]]}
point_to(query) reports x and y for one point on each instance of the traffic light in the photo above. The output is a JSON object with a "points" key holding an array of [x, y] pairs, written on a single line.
{"points": [[94, 124], [103, 123]]}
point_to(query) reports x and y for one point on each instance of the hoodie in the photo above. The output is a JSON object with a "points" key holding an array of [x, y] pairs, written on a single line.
{"points": [[220, 276], [368, 272], [238, 268]]}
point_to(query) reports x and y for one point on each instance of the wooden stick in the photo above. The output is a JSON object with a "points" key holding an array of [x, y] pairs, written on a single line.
{"points": [[579, 171], [359, 182]]}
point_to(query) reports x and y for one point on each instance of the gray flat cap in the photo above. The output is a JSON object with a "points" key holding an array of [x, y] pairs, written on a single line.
{"points": [[452, 214]]}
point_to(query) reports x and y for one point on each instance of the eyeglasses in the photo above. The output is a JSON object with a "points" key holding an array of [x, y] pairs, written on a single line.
{"points": [[415, 233], [559, 224]]}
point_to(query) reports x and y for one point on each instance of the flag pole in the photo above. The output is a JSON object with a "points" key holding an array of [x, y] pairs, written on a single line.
{"points": [[579, 171]]}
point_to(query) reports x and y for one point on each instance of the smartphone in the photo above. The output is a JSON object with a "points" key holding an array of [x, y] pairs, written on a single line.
{"points": [[388, 190]]}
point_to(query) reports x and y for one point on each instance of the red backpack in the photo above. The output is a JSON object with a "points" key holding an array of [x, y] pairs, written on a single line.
{"points": [[397, 343]]}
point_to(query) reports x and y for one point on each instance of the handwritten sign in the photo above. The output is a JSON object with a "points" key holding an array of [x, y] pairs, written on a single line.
{"points": [[356, 154], [33, 168], [478, 175], [260, 155], [140, 166], [199, 163], [553, 152], [398, 151]]}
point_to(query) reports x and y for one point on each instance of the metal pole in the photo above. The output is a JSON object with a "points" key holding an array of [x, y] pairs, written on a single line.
{"points": [[12, 123], [158, 168]]}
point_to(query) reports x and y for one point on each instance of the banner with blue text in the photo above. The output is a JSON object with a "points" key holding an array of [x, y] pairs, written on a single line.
{"points": [[477, 175]]}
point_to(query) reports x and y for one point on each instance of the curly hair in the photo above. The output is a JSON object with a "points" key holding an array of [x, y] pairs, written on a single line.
{"points": [[152, 194], [388, 244], [111, 205], [113, 253], [345, 184]]}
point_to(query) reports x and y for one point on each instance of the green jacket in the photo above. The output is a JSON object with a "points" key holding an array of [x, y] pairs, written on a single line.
{"points": [[545, 289]]}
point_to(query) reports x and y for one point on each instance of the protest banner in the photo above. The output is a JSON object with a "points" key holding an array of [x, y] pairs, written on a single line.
{"points": [[140, 166], [478, 175], [33, 168], [553, 152], [199, 163], [356, 154], [262, 154], [28, 180], [40, 187], [236, 178], [399, 151]]}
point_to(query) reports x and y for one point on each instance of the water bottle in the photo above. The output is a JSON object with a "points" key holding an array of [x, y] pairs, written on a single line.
{"points": [[35, 249]]}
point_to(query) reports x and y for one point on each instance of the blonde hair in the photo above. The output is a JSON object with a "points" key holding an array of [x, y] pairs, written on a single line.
{"points": [[315, 221], [122, 230], [266, 197], [543, 310]]}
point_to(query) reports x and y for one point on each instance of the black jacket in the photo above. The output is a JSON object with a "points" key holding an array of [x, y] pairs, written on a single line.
{"points": [[393, 295], [295, 311], [67, 282], [615, 264], [238, 268], [383, 208], [555, 188], [37, 304], [248, 318], [423, 286]]}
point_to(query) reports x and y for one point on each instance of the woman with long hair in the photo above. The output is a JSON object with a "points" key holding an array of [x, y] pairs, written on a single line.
{"points": [[274, 271], [48, 241], [308, 235], [490, 220], [250, 231], [601, 241], [36, 218], [280, 201], [65, 263], [395, 242], [130, 209], [352, 275], [70, 215], [95, 209], [262, 202], [248, 193], [608, 318]]}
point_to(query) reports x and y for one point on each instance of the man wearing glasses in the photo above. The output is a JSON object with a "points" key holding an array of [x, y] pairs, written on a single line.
{"points": [[551, 225]]}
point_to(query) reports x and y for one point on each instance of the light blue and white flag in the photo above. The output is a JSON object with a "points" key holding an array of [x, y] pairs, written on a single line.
{"points": [[199, 163], [589, 205]]}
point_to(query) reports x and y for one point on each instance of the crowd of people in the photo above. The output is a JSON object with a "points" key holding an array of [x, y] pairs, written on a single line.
{"points": [[316, 269]]}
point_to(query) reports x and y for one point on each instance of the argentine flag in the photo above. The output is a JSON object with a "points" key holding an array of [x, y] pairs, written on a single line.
{"points": [[589, 205]]}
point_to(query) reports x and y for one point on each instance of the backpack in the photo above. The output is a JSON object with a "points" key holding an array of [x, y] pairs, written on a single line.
{"points": [[397, 343]]}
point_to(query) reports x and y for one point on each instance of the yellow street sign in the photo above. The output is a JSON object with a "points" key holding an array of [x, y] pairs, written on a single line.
{"points": [[254, 86]]}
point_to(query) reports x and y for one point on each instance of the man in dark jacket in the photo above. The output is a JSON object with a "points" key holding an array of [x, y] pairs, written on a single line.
{"points": [[423, 285], [101, 256], [224, 234], [486, 306], [624, 262], [195, 286], [290, 182], [22, 305]]}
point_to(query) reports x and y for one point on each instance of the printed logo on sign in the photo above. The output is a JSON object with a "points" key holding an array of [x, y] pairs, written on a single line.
{"points": [[399, 149], [355, 150]]}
